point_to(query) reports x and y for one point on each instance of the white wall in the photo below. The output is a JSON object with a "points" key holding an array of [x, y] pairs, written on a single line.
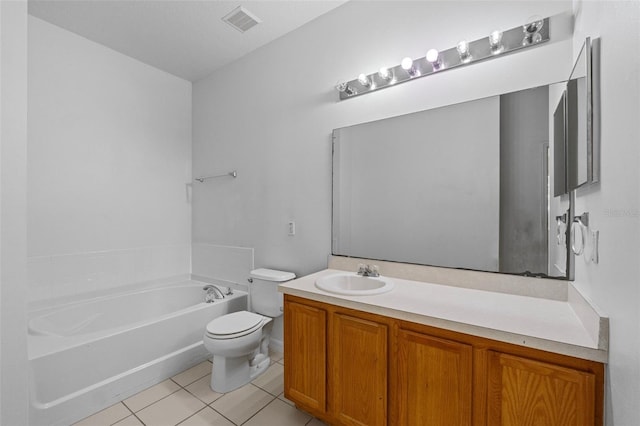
{"points": [[614, 204], [270, 114], [109, 157], [13, 207]]}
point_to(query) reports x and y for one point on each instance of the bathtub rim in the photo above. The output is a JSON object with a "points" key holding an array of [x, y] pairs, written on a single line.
{"points": [[39, 345], [40, 306]]}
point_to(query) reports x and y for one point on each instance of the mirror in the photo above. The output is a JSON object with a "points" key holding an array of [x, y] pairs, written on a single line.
{"points": [[582, 158], [466, 186]]}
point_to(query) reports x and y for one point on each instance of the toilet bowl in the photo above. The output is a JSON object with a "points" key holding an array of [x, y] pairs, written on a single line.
{"points": [[239, 341]]}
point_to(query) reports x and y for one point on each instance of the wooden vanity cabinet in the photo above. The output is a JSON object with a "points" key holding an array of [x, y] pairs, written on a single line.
{"points": [[336, 363], [526, 392], [349, 367], [358, 364], [432, 381], [305, 349]]}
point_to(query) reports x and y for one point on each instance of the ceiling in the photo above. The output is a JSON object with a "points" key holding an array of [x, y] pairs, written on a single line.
{"points": [[183, 37]]}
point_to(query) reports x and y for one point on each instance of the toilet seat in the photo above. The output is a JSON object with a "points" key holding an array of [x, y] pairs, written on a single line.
{"points": [[234, 325]]}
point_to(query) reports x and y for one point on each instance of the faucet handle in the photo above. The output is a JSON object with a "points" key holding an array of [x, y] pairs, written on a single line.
{"points": [[368, 270], [209, 297], [373, 271]]}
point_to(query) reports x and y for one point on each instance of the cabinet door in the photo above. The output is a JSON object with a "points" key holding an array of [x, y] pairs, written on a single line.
{"points": [[359, 371], [524, 392], [433, 382], [305, 349]]}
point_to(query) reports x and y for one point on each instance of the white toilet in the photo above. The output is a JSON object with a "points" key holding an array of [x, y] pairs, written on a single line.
{"points": [[239, 341]]}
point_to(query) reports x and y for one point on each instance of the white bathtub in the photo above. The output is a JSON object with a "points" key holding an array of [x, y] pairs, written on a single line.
{"points": [[88, 355]]}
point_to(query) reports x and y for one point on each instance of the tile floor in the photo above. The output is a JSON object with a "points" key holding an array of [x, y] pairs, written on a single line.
{"points": [[187, 400]]}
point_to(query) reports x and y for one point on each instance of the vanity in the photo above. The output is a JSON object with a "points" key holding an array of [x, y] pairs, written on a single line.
{"points": [[473, 227], [464, 352]]}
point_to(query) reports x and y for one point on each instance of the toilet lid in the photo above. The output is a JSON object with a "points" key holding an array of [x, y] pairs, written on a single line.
{"points": [[234, 323]]}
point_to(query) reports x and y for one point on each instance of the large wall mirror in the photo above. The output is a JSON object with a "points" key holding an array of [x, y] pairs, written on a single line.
{"points": [[467, 186]]}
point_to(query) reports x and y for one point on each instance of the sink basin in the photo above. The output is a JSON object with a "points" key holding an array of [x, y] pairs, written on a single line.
{"points": [[353, 284]]}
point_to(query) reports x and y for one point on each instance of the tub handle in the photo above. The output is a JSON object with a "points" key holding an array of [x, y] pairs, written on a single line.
{"points": [[229, 291], [212, 289]]}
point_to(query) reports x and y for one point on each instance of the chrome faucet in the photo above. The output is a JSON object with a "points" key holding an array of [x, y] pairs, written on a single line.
{"points": [[368, 270], [214, 291]]}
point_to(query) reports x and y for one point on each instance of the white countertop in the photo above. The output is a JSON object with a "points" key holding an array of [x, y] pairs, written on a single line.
{"points": [[545, 324]]}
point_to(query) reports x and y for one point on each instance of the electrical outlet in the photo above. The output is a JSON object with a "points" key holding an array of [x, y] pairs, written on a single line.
{"points": [[292, 227]]}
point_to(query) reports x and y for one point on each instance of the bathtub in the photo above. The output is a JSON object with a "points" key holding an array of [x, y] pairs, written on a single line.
{"points": [[88, 355]]}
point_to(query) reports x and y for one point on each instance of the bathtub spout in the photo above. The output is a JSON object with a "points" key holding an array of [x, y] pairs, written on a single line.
{"points": [[214, 291]]}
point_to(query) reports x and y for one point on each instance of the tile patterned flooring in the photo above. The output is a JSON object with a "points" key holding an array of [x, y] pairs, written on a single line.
{"points": [[187, 400]]}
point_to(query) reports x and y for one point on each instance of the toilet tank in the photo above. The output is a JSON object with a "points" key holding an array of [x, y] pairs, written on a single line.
{"points": [[265, 297]]}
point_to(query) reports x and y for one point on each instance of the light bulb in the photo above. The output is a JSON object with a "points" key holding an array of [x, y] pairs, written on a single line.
{"points": [[364, 80], [385, 74], [433, 57], [407, 65], [533, 25], [463, 50], [532, 30], [495, 40]]}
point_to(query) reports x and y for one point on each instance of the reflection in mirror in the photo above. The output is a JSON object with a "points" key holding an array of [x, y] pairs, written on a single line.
{"points": [[581, 154], [560, 147], [463, 186]]}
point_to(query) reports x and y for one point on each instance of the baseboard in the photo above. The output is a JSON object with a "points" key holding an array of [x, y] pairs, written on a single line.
{"points": [[276, 345]]}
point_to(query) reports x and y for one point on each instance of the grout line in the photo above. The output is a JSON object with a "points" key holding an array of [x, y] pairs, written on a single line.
{"points": [[204, 402], [184, 420], [190, 383], [119, 420], [265, 406], [149, 405], [139, 419], [225, 417]]}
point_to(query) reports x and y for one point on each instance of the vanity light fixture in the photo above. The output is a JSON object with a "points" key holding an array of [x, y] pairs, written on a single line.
{"points": [[408, 66], [499, 43], [433, 57]]}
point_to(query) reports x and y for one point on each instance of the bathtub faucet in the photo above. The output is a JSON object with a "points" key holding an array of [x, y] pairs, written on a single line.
{"points": [[213, 292]]}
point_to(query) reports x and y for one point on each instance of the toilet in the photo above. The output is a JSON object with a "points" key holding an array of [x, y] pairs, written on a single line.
{"points": [[239, 341]]}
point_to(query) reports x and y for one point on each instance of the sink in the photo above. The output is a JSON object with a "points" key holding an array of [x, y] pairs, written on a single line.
{"points": [[353, 284]]}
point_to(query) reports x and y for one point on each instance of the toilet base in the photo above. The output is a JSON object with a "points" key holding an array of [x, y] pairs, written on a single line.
{"points": [[228, 374], [259, 366]]}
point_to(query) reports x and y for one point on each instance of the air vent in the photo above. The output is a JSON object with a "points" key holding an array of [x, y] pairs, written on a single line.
{"points": [[241, 19]]}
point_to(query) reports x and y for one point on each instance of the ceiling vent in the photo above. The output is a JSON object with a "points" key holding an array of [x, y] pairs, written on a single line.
{"points": [[241, 19]]}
